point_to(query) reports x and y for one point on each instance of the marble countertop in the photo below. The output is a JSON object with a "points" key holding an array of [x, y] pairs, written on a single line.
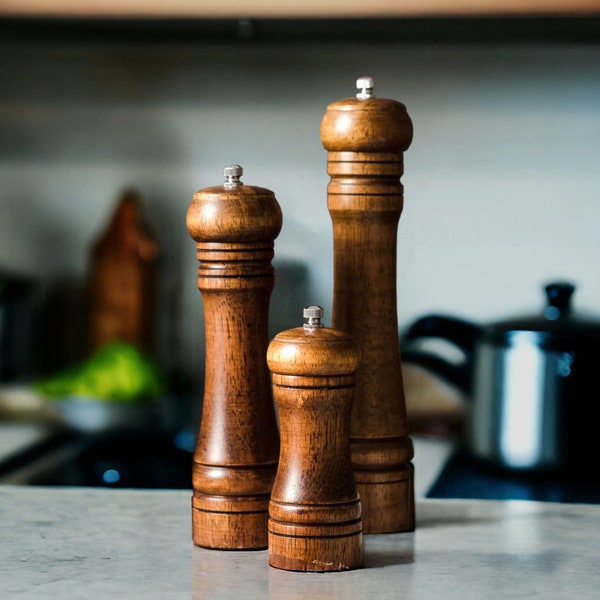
{"points": [[103, 543]]}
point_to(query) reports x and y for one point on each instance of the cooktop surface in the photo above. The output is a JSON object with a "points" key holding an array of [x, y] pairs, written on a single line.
{"points": [[118, 458], [463, 477]]}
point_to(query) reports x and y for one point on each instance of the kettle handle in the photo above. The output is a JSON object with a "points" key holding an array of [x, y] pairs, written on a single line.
{"points": [[462, 334], [456, 374]]}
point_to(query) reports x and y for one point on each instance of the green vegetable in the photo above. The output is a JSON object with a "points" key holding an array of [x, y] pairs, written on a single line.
{"points": [[118, 372]]}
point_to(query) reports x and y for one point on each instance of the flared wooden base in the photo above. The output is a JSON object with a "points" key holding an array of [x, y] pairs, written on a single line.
{"points": [[387, 500], [230, 524], [333, 549]]}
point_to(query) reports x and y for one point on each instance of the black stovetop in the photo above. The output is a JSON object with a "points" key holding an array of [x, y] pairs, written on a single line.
{"points": [[119, 458], [161, 460], [464, 477]]}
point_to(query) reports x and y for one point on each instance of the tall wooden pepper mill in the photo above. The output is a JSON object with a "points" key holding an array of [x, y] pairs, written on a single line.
{"points": [[365, 138], [235, 460], [314, 514]]}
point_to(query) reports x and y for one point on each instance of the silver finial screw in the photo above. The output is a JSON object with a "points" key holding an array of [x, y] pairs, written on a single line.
{"points": [[232, 175], [312, 317], [366, 85]]}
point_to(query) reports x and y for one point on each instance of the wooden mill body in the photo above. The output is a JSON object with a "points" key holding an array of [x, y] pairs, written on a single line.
{"points": [[235, 460], [314, 514], [365, 138]]}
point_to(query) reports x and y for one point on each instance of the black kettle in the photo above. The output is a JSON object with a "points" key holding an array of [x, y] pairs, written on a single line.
{"points": [[532, 383]]}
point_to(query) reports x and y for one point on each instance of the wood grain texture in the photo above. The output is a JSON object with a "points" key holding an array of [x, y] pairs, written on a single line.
{"points": [[365, 140], [122, 280], [238, 445], [315, 514]]}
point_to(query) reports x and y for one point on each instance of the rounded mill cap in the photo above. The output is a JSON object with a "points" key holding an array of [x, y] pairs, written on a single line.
{"points": [[366, 123], [234, 212], [313, 350]]}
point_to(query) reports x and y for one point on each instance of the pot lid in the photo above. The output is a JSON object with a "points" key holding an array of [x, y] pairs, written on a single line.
{"points": [[557, 325]]}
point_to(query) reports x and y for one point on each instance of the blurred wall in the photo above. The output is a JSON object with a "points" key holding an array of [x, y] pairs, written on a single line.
{"points": [[501, 184]]}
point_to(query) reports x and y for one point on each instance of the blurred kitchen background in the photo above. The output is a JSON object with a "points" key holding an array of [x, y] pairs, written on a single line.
{"points": [[501, 181]]}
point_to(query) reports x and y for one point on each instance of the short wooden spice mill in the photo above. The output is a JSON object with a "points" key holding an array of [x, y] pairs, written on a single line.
{"points": [[344, 466]]}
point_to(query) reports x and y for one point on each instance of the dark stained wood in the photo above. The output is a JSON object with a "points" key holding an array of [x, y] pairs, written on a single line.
{"points": [[314, 514], [238, 445], [122, 280], [365, 140]]}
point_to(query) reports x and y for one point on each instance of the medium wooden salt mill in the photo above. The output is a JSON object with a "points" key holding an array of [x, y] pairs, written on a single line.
{"points": [[365, 138], [314, 514], [235, 460]]}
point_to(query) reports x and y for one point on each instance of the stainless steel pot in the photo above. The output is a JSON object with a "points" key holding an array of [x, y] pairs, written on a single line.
{"points": [[532, 380]]}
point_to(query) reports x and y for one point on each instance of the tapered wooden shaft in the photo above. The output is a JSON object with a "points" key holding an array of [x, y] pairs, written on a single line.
{"points": [[365, 138], [235, 460], [314, 514]]}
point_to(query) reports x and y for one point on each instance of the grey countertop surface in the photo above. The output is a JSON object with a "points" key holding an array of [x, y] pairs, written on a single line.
{"points": [[105, 543], [108, 543]]}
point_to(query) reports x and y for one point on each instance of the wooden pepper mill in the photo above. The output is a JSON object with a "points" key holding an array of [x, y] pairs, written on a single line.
{"points": [[365, 138], [315, 514], [235, 460]]}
